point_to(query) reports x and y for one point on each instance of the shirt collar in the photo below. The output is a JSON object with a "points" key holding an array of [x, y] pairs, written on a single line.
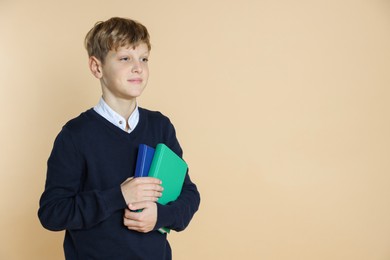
{"points": [[113, 117]]}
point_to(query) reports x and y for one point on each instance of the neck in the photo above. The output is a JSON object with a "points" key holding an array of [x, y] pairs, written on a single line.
{"points": [[124, 107]]}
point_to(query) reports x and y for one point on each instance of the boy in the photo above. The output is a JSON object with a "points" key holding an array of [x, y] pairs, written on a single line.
{"points": [[89, 191]]}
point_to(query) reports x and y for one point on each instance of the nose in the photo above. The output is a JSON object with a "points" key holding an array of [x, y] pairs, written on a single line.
{"points": [[137, 67]]}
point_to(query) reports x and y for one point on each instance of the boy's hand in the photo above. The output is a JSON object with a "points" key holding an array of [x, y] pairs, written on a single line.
{"points": [[142, 221], [141, 189]]}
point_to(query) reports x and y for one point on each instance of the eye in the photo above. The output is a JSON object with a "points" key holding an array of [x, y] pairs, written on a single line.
{"points": [[145, 60], [124, 59]]}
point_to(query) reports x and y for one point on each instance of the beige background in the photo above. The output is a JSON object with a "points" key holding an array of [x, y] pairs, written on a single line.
{"points": [[282, 108]]}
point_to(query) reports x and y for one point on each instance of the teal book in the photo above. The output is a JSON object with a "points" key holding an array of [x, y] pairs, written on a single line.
{"points": [[171, 170]]}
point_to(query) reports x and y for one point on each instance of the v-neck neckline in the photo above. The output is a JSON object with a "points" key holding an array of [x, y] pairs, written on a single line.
{"points": [[133, 134]]}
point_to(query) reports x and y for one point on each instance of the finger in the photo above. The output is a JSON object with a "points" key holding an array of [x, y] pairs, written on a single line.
{"points": [[150, 180], [147, 195], [152, 187], [128, 214], [139, 205], [152, 193], [151, 199], [131, 224], [135, 225], [133, 216]]}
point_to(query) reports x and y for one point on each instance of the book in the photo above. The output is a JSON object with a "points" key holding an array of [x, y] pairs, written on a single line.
{"points": [[171, 170], [144, 160]]}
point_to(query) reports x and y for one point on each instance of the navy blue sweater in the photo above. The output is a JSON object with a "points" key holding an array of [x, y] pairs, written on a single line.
{"points": [[90, 159]]}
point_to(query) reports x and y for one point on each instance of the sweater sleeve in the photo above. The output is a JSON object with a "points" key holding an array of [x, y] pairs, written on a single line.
{"points": [[177, 215], [62, 205]]}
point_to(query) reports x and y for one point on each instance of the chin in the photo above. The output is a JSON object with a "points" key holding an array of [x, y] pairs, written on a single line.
{"points": [[133, 95]]}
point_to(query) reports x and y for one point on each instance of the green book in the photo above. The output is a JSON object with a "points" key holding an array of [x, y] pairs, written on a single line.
{"points": [[171, 170]]}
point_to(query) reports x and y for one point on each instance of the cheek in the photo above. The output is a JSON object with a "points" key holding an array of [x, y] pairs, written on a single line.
{"points": [[145, 67], [146, 72]]}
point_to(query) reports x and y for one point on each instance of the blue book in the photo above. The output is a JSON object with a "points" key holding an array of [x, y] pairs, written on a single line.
{"points": [[144, 160]]}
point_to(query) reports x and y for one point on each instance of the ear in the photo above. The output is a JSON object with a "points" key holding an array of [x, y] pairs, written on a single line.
{"points": [[95, 66]]}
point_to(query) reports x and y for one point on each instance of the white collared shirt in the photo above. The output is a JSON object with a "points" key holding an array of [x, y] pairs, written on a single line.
{"points": [[113, 117]]}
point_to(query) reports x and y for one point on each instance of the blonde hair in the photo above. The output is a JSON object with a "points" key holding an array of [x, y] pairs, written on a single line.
{"points": [[114, 33]]}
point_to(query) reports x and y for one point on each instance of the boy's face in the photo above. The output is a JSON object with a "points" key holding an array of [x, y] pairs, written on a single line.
{"points": [[125, 72]]}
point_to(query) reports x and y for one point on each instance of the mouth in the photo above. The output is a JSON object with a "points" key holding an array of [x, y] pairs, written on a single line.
{"points": [[135, 80]]}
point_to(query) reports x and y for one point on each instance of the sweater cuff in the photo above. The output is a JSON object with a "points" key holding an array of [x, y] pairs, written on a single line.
{"points": [[164, 216], [114, 199]]}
